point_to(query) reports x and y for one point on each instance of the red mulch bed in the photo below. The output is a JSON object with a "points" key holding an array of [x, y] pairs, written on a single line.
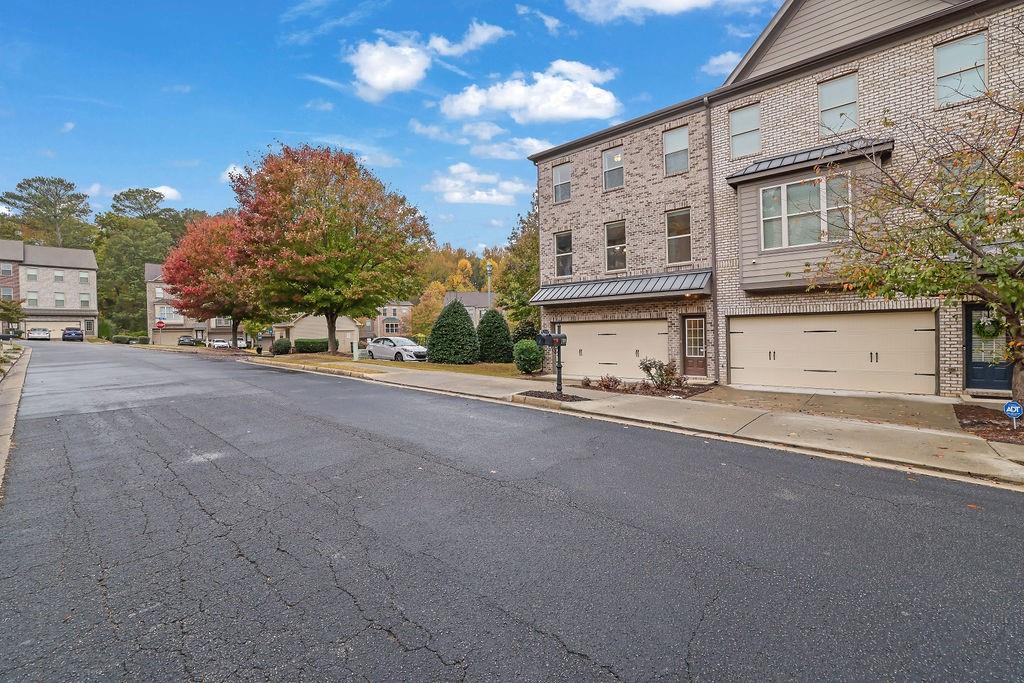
{"points": [[567, 398], [989, 424], [645, 389]]}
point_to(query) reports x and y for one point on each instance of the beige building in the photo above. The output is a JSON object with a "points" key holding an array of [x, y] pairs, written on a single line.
{"points": [[315, 327], [57, 286], [684, 234]]}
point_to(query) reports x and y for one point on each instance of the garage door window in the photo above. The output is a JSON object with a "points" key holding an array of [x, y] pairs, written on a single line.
{"points": [[615, 245], [806, 212]]}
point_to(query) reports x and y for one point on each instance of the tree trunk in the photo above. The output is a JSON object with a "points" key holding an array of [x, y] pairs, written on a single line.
{"points": [[234, 333], [1017, 385], [332, 334]]}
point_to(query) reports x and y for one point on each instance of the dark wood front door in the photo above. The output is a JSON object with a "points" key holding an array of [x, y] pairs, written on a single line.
{"points": [[986, 368], [695, 359]]}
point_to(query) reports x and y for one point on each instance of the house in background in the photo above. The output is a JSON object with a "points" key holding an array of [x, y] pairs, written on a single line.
{"points": [[315, 327], [57, 286], [475, 302], [392, 318], [159, 306]]}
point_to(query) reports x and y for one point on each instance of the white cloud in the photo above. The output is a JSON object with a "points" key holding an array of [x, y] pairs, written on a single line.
{"points": [[496, 223], [326, 82], [305, 8], [513, 148], [169, 193], [747, 31], [477, 35], [566, 91], [232, 169], [382, 68], [483, 130], [552, 24], [369, 154], [67, 127], [435, 132], [178, 88], [602, 11], [319, 105], [94, 190], [721, 65], [465, 184]]}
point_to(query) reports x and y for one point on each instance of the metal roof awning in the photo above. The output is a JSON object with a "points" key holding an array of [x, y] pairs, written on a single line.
{"points": [[809, 158], [626, 288]]}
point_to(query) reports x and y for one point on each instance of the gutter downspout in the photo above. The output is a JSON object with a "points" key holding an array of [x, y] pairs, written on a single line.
{"points": [[714, 242]]}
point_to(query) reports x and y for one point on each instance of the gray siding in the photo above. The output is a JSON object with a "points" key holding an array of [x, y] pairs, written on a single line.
{"points": [[821, 26]]}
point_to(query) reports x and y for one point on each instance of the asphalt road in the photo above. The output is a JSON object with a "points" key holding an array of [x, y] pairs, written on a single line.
{"points": [[168, 517]]}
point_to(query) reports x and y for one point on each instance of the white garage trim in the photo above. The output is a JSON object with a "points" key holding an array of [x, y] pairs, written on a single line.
{"points": [[612, 347]]}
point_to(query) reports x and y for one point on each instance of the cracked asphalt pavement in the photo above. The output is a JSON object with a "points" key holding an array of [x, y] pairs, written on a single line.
{"points": [[170, 517]]}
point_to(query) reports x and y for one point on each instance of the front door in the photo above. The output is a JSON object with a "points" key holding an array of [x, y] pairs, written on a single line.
{"points": [[986, 368], [695, 360]]}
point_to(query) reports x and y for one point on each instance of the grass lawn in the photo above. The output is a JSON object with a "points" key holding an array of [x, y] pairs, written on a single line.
{"points": [[491, 369], [326, 360]]}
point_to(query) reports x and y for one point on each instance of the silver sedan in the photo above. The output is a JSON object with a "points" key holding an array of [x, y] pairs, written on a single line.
{"points": [[395, 348]]}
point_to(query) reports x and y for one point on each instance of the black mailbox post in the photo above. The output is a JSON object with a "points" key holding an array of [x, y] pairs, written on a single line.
{"points": [[557, 341]]}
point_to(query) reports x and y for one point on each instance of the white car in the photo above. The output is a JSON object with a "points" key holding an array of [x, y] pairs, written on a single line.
{"points": [[395, 348], [220, 344], [38, 333]]}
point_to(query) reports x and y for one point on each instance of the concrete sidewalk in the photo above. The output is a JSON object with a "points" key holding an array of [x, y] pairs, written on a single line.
{"points": [[950, 451]]}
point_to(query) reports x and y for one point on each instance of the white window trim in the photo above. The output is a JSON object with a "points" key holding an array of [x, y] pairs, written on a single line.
{"points": [[31, 275], [88, 299], [733, 134], [6, 269], [936, 76], [607, 247], [604, 171], [58, 274], [63, 300], [703, 340], [822, 212], [665, 153], [555, 186], [572, 249], [84, 281], [855, 101], [32, 297], [678, 237]]}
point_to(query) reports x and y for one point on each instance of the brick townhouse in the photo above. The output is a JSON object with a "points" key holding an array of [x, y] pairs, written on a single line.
{"points": [[685, 234], [57, 286], [160, 306]]}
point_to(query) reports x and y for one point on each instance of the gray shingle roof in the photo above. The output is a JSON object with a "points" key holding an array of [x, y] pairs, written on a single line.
{"points": [[645, 287], [12, 250], [811, 157], [60, 257], [468, 299], [154, 271]]}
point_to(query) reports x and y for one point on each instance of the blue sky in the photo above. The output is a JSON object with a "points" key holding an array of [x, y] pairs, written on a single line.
{"points": [[443, 103]]}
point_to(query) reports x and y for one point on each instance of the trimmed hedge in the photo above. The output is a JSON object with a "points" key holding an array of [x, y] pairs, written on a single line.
{"points": [[524, 330], [120, 339], [142, 340], [495, 339], [453, 339], [281, 347], [528, 356], [311, 345]]}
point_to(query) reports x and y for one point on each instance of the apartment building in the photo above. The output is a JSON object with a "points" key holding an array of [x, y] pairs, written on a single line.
{"points": [[476, 303], [57, 285], [685, 234], [392, 318], [160, 306]]}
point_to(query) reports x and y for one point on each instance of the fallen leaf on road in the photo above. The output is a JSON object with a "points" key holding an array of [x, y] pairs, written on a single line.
{"points": [[972, 506]]}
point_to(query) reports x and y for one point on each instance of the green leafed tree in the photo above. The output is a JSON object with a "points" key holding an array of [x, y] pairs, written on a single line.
{"points": [[453, 339], [495, 338], [49, 211], [520, 277], [121, 289]]}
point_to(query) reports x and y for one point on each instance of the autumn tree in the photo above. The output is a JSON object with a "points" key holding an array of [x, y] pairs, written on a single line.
{"points": [[521, 276], [461, 279], [425, 312], [49, 210], [325, 235]]}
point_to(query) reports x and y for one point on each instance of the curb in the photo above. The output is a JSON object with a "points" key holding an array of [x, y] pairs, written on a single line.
{"points": [[312, 368], [13, 381]]}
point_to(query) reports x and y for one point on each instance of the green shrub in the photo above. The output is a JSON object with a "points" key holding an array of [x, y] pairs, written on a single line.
{"points": [[453, 339], [524, 330], [281, 346], [528, 356], [661, 374], [142, 340], [311, 346], [495, 340], [106, 329], [120, 339]]}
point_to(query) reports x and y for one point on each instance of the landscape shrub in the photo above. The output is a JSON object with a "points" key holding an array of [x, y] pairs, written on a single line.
{"points": [[105, 329], [311, 345], [661, 374], [142, 340], [528, 356], [524, 330], [120, 339], [453, 339], [609, 382], [585, 382], [495, 339], [281, 346]]}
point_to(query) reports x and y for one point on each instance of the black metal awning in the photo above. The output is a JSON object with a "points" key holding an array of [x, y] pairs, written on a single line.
{"points": [[809, 158], [625, 288]]}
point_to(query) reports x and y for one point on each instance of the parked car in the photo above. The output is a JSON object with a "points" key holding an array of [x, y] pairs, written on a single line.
{"points": [[220, 344], [242, 344], [38, 333], [395, 348], [72, 334], [186, 340]]}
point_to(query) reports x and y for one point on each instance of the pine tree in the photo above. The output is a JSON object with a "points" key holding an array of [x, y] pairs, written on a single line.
{"points": [[453, 339], [495, 340]]}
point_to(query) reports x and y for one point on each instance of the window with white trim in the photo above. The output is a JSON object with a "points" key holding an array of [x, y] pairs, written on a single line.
{"points": [[615, 245], [169, 314], [561, 178], [806, 212], [960, 69], [222, 322], [391, 328], [6, 269], [58, 299], [88, 325], [7, 293], [745, 130], [676, 145], [158, 292], [83, 277], [31, 274], [84, 300], [32, 299], [563, 254], [695, 338], [612, 163], [837, 104], [677, 228], [58, 276]]}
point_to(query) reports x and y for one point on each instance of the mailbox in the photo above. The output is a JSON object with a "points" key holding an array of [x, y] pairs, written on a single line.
{"points": [[546, 338]]}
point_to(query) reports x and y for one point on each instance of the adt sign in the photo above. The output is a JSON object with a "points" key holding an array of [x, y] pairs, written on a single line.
{"points": [[1014, 411]]}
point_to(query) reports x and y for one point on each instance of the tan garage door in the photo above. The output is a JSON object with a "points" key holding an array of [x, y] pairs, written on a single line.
{"points": [[56, 327], [613, 348], [892, 352]]}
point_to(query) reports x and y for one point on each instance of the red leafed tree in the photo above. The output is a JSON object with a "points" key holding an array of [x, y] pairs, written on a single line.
{"points": [[325, 236], [203, 278]]}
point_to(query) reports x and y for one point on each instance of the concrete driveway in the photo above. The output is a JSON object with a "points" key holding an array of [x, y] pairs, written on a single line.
{"points": [[173, 517]]}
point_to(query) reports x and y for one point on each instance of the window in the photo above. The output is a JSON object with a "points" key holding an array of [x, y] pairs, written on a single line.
{"points": [[678, 228], [7, 293], [6, 269], [31, 274], [837, 104], [563, 254], [58, 276], [83, 300], [806, 212], [88, 326], [960, 69], [222, 322], [391, 328], [745, 130], [560, 176], [613, 172], [32, 299], [695, 338], [676, 144], [615, 245], [58, 299], [83, 277], [168, 314], [159, 293], [394, 312]]}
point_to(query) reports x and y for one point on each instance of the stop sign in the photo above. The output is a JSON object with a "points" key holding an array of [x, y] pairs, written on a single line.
{"points": [[160, 324]]}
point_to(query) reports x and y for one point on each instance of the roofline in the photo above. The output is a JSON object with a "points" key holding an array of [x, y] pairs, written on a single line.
{"points": [[761, 40], [728, 90], [877, 147]]}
